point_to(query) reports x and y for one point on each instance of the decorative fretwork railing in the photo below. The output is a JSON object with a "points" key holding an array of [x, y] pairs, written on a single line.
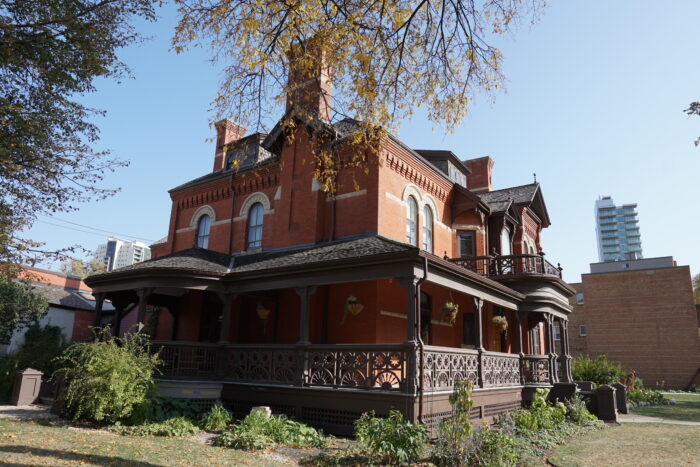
{"points": [[371, 367], [508, 265], [442, 366], [500, 369], [367, 367], [536, 369]]}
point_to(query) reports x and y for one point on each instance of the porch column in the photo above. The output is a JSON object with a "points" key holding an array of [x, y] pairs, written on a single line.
{"points": [[478, 338], [99, 300], [118, 312], [226, 299], [305, 294], [566, 362], [550, 348], [519, 318], [174, 310], [143, 295], [411, 343]]}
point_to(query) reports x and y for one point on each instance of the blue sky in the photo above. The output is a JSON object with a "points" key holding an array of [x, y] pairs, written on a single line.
{"points": [[593, 105]]}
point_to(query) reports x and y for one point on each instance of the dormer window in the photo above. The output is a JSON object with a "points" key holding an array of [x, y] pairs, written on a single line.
{"points": [[412, 222], [203, 227]]}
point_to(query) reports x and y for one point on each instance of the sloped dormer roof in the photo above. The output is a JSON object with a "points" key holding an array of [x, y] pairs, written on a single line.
{"points": [[522, 196]]}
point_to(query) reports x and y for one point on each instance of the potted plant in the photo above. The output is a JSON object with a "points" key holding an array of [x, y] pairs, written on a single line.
{"points": [[449, 312], [352, 305], [263, 312], [500, 323]]}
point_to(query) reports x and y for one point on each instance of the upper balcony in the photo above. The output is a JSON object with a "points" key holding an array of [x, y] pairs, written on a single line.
{"points": [[508, 265]]}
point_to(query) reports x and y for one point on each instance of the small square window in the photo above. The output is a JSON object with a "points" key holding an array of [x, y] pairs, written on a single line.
{"points": [[579, 298], [582, 330]]}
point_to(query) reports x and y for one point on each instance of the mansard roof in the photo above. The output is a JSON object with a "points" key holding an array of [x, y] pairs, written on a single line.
{"points": [[522, 196]]}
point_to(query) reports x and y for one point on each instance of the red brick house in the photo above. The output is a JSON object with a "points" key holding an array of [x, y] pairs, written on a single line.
{"points": [[326, 307]]}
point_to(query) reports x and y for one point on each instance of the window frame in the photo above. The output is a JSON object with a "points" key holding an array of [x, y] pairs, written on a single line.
{"points": [[202, 239], [582, 332], [466, 233], [412, 221], [257, 229], [429, 221]]}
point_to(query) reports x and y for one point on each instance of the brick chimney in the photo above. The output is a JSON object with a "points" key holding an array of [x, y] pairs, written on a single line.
{"points": [[227, 132], [308, 83], [480, 178]]}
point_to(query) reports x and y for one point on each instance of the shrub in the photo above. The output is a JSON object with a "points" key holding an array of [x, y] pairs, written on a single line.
{"points": [[578, 413], [540, 415], [392, 439], [495, 449], [178, 426], [648, 396], [259, 431], [159, 408], [216, 419], [454, 443], [40, 348], [599, 370], [107, 378]]}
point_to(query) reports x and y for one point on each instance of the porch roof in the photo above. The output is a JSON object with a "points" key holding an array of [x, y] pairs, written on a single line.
{"points": [[347, 260]]}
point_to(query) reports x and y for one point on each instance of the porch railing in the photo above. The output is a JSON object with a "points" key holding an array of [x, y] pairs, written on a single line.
{"points": [[508, 265], [367, 367]]}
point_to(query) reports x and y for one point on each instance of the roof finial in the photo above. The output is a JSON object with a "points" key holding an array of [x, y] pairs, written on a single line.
{"points": [[535, 177]]}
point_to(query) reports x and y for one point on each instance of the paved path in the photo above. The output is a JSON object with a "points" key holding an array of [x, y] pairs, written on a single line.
{"points": [[25, 412], [634, 418]]}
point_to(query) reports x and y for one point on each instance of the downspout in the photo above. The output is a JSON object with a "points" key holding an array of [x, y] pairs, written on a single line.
{"points": [[420, 341]]}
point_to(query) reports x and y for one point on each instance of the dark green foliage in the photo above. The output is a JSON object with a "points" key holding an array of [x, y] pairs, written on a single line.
{"points": [[40, 348], [259, 431], [648, 397], [19, 305], [50, 53], [599, 370], [454, 444], [159, 408], [578, 413], [393, 440], [178, 426], [107, 378], [217, 419]]}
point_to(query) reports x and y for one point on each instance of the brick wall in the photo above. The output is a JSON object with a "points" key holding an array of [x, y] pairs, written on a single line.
{"points": [[645, 319]]}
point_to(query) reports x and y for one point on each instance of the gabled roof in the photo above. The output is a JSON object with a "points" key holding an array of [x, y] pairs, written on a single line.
{"points": [[522, 196], [65, 297], [464, 200]]}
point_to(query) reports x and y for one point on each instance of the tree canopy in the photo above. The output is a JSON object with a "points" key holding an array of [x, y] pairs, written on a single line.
{"points": [[385, 57], [19, 306], [79, 268], [50, 53]]}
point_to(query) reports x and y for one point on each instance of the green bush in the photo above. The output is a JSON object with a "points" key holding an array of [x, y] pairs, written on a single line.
{"points": [[495, 449], [599, 370], [454, 443], [159, 408], [540, 415], [578, 413], [392, 439], [260, 431], [648, 396], [178, 426], [39, 350], [107, 378], [216, 419]]}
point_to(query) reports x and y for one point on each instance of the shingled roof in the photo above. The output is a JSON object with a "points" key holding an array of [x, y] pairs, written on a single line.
{"points": [[523, 195], [68, 298]]}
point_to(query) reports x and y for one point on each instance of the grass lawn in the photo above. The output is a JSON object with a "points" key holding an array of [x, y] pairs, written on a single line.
{"points": [[687, 408], [31, 443], [633, 444]]}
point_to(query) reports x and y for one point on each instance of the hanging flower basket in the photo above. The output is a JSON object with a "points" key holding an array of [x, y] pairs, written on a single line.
{"points": [[263, 312], [449, 312], [500, 323], [353, 305]]}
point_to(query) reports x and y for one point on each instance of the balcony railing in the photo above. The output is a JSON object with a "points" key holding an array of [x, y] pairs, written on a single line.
{"points": [[366, 367], [508, 265]]}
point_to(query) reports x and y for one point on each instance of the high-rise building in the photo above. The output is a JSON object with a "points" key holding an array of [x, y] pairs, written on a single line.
{"points": [[617, 229], [118, 253]]}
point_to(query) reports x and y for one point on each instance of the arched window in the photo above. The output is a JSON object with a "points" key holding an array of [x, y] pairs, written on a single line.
{"points": [[505, 242], [428, 229], [203, 227], [412, 221], [255, 225]]}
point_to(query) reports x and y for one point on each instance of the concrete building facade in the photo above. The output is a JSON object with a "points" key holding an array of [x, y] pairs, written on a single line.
{"points": [[118, 253], [642, 314]]}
